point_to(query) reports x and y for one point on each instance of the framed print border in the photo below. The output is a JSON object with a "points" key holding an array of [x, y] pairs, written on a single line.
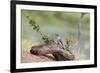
{"points": [[13, 35]]}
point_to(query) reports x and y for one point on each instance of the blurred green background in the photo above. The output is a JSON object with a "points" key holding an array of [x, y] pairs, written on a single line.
{"points": [[62, 23]]}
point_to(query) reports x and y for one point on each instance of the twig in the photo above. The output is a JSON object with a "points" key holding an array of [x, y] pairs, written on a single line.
{"points": [[79, 31]]}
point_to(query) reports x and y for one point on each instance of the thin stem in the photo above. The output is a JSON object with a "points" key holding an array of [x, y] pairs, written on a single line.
{"points": [[79, 25]]}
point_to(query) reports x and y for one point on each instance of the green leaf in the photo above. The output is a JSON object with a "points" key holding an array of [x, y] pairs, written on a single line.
{"points": [[32, 22], [45, 38]]}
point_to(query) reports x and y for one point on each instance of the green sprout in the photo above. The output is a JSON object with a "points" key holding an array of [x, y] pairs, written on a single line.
{"points": [[36, 27], [69, 42]]}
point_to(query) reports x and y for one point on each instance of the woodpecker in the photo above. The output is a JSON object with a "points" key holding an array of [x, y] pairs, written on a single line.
{"points": [[58, 40]]}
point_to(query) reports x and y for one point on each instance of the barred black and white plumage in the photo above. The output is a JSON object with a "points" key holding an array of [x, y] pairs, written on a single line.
{"points": [[59, 40]]}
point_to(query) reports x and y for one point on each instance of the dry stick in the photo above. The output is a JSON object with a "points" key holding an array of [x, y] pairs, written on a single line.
{"points": [[79, 31]]}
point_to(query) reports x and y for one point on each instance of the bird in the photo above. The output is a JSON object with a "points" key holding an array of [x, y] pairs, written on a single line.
{"points": [[58, 40]]}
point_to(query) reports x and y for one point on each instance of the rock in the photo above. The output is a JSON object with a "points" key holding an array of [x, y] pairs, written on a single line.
{"points": [[27, 57]]}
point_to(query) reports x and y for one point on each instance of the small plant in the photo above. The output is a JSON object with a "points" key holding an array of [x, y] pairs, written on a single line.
{"points": [[36, 27], [69, 42]]}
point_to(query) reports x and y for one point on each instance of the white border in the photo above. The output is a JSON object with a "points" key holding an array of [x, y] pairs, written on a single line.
{"points": [[20, 65]]}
